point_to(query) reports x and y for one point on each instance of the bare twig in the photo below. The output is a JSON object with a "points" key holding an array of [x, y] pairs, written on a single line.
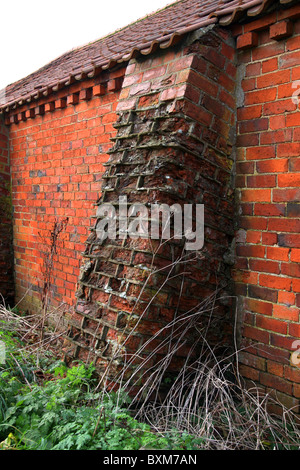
{"points": [[57, 229], [208, 398]]}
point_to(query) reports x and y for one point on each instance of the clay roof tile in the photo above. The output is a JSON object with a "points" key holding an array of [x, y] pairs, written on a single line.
{"points": [[162, 28]]}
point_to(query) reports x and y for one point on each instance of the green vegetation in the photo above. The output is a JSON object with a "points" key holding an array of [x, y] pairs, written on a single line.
{"points": [[62, 411], [45, 405]]}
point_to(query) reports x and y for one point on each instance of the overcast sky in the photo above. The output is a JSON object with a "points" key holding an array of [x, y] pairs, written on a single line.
{"points": [[34, 32]]}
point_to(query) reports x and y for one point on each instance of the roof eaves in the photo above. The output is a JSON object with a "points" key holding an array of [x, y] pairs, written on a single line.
{"points": [[146, 49], [223, 15]]}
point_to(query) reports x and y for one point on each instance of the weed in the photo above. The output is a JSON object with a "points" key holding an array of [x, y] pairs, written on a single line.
{"points": [[49, 257], [46, 405], [64, 412]]}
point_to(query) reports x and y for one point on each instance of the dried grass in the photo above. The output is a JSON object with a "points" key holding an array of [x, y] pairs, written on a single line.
{"points": [[208, 398], [28, 327]]}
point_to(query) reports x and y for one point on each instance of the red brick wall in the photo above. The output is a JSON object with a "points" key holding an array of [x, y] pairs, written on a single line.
{"points": [[6, 253], [268, 242], [57, 151], [58, 147]]}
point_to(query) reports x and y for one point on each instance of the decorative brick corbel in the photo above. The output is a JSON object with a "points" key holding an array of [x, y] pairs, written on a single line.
{"points": [[73, 98], [30, 113], [247, 40], [38, 111], [99, 90], [60, 103], [22, 116], [115, 84], [281, 30], [49, 107], [85, 94]]}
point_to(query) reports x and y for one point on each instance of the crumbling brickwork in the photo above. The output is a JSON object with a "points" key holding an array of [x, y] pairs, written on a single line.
{"points": [[175, 139]]}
